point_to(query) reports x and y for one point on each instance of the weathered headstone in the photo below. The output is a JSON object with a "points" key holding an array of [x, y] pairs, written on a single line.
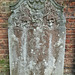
{"points": [[37, 38]]}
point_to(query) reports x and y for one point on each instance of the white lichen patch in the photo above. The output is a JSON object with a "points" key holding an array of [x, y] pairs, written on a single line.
{"points": [[58, 35], [50, 66], [63, 32], [39, 29], [38, 44], [34, 30], [61, 47], [32, 50], [43, 52], [14, 38], [59, 61], [59, 42], [31, 65]]}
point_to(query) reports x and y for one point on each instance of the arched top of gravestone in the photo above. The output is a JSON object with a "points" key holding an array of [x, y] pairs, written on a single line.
{"points": [[56, 3], [36, 13]]}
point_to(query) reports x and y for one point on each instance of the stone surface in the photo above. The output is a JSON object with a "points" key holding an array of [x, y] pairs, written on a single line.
{"points": [[37, 38]]}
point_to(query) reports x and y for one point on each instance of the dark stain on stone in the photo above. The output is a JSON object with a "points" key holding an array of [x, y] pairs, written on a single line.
{"points": [[17, 31]]}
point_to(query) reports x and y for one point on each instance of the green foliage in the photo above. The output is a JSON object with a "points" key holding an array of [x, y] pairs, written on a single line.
{"points": [[4, 64]]}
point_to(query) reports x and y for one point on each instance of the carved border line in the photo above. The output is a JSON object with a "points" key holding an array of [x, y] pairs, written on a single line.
{"points": [[16, 5]]}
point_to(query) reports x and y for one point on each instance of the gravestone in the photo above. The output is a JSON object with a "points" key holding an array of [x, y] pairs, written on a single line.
{"points": [[36, 38]]}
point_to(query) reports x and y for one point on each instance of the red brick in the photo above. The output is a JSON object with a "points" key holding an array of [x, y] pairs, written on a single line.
{"points": [[67, 71], [3, 41], [70, 46], [70, 25], [1, 20], [71, 9], [3, 31], [3, 46], [70, 50], [71, 19], [4, 51], [69, 61], [4, 25], [70, 31], [70, 14], [70, 36], [68, 40], [3, 37], [3, 56], [70, 55], [72, 4], [68, 65]]}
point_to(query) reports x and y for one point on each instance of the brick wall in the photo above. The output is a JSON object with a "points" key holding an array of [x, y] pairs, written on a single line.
{"points": [[70, 37], [4, 15]]}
